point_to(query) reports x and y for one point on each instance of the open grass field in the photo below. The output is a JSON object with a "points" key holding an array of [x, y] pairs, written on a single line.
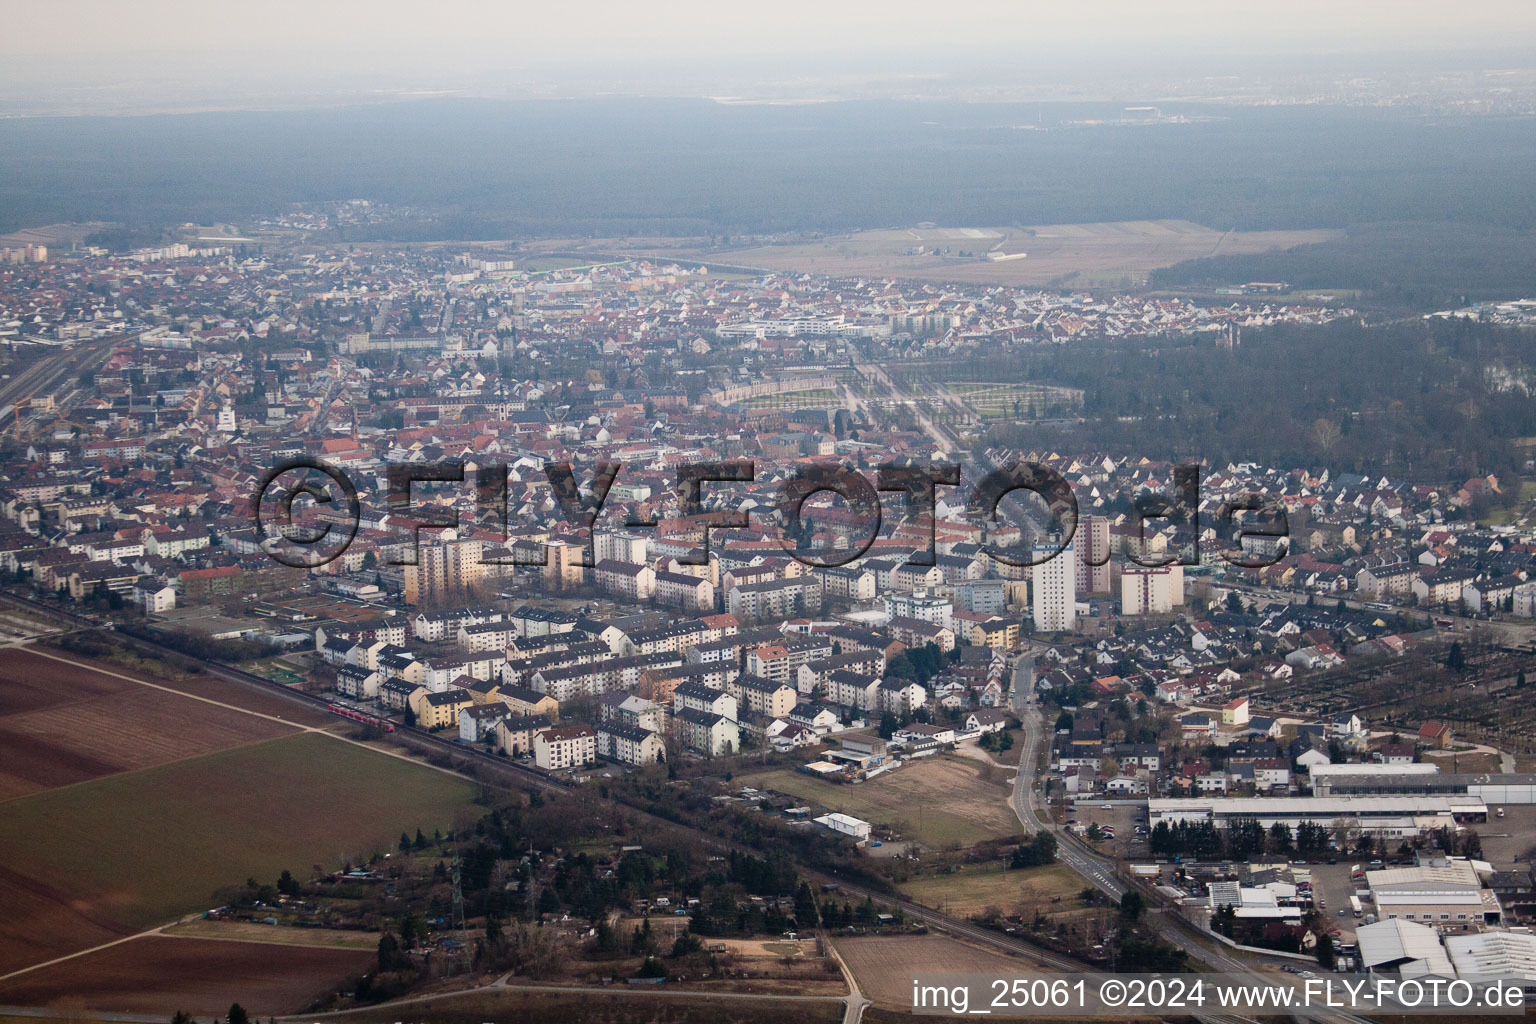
{"points": [[131, 851], [940, 801], [1503, 516], [970, 891], [626, 1005], [161, 975], [884, 965], [247, 931], [1057, 255]]}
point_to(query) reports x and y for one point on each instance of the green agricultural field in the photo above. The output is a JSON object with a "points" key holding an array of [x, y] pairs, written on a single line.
{"points": [[143, 848]]}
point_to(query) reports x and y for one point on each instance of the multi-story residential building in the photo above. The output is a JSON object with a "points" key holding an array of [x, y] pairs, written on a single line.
{"points": [[708, 734], [626, 581], [996, 632], [434, 626], [852, 689], [988, 597], [438, 674], [634, 710], [535, 621], [1151, 591], [916, 633], [1443, 587], [565, 746], [358, 682], [563, 565], [630, 744], [515, 735], [440, 710], [916, 577], [521, 700], [901, 696], [681, 590], [760, 696], [618, 546], [477, 724], [700, 697], [479, 637], [776, 599], [398, 694], [449, 568], [1385, 582], [1524, 597], [1053, 587], [815, 673], [921, 605], [849, 583], [1091, 543]]}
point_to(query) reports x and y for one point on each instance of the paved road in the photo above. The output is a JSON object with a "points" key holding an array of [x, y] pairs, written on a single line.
{"points": [[942, 436], [1096, 869]]}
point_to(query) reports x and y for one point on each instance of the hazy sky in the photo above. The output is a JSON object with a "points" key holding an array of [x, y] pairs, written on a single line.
{"points": [[208, 44], [670, 28]]}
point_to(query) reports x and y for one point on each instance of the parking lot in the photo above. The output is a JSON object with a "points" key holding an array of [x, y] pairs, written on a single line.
{"points": [[1509, 840], [1123, 817], [1331, 884]]}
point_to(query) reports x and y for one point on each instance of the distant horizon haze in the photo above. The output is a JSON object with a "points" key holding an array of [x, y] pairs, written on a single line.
{"points": [[93, 56]]}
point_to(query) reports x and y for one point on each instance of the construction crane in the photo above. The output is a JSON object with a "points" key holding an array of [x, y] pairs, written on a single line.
{"points": [[30, 402]]}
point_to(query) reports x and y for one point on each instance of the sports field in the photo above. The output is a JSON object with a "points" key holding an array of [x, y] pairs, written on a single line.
{"points": [[130, 851], [940, 801]]}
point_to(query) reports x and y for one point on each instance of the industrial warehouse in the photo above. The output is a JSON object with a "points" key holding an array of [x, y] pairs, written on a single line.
{"points": [[1390, 817], [1421, 779]]}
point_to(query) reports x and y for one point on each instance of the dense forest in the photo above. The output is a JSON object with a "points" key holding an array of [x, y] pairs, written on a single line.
{"points": [[1427, 400], [1416, 266], [485, 169]]}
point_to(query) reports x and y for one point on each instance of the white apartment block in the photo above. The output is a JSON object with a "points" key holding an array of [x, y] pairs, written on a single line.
{"points": [[620, 547], [565, 746], [923, 606], [1151, 591], [1053, 587], [627, 581]]}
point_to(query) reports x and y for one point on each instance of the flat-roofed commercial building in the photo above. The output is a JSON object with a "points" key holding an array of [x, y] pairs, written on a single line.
{"points": [[1445, 894], [1422, 779], [1392, 817]]}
